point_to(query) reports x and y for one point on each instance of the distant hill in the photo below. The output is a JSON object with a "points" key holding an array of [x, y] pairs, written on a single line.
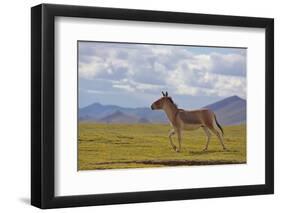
{"points": [[229, 111], [120, 117], [97, 112]]}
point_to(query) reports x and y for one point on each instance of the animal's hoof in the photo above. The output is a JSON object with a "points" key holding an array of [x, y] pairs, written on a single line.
{"points": [[204, 150], [177, 150], [225, 149]]}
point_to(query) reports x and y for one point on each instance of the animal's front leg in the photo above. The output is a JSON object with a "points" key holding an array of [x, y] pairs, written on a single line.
{"points": [[171, 133], [208, 135], [179, 139]]}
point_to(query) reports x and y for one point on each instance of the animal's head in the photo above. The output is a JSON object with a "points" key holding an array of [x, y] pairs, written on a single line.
{"points": [[161, 101]]}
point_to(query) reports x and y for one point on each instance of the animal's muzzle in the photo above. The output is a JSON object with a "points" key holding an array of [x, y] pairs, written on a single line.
{"points": [[152, 106]]}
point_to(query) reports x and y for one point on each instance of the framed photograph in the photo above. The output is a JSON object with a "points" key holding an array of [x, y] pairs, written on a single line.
{"points": [[139, 106]]}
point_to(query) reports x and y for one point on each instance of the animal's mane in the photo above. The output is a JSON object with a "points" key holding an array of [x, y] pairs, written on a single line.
{"points": [[171, 100]]}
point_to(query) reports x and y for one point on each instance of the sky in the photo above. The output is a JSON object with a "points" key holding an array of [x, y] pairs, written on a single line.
{"points": [[133, 75]]}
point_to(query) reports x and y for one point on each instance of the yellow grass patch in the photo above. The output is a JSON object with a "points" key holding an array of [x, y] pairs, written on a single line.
{"points": [[112, 146]]}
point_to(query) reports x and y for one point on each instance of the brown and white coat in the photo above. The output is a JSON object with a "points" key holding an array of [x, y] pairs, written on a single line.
{"points": [[188, 120]]}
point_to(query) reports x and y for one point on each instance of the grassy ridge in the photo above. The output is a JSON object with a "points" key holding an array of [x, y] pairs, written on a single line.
{"points": [[110, 146]]}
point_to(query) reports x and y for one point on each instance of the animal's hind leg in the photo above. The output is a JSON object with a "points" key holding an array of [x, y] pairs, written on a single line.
{"points": [[171, 133], [219, 135], [208, 136]]}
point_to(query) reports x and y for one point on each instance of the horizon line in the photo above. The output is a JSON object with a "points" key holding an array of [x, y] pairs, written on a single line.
{"points": [[148, 107]]}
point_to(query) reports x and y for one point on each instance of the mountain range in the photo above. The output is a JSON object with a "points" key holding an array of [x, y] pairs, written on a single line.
{"points": [[229, 111]]}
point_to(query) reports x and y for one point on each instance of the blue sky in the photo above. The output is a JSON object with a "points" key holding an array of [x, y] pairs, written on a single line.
{"points": [[133, 75]]}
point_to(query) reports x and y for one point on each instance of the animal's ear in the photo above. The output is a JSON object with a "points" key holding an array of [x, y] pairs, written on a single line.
{"points": [[166, 94], [163, 94]]}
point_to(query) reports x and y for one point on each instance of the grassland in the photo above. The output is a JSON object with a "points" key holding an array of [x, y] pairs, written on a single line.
{"points": [[112, 146]]}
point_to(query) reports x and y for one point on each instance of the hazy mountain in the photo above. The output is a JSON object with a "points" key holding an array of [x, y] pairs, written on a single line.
{"points": [[97, 112], [229, 111], [120, 117]]}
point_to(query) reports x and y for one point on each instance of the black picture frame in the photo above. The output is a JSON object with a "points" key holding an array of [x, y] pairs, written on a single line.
{"points": [[43, 105]]}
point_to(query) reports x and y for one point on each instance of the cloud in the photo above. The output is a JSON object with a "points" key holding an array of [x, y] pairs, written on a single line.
{"points": [[91, 91], [125, 87], [198, 76], [151, 68], [228, 64], [132, 86]]}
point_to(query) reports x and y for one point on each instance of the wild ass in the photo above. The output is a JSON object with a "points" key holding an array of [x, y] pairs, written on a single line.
{"points": [[188, 120]]}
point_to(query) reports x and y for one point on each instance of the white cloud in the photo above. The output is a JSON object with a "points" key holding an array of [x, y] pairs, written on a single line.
{"points": [[150, 68], [92, 69], [132, 86], [229, 64], [127, 87]]}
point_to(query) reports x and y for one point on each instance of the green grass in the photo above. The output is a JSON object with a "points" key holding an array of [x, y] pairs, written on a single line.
{"points": [[111, 146]]}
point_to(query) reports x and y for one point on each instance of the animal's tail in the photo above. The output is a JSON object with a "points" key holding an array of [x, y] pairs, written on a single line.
{"points": [[218, 125]]}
